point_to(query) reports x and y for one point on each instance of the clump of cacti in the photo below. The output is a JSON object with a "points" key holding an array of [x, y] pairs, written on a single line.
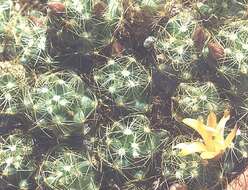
{"points": [[122, 94]]}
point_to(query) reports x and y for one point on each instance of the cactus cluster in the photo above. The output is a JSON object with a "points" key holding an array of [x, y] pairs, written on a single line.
{"points": [[122, 94]]}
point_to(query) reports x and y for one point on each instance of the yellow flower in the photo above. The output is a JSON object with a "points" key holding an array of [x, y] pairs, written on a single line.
{"points": [[212, 134]]}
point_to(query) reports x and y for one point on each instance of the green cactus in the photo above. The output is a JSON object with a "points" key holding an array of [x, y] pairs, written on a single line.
{"points": [[16, 163], [60, 102], [126, 81], [8, 46], [77, 28], [129, 145], [64, 169], [197, 99], [238, 151], [191, 169], [176, 168], [12, 87], [232, 38], [113, 12], [33, 43], [175, 46], [211, 176], [221, 8], [151, 3], [24, 38]]}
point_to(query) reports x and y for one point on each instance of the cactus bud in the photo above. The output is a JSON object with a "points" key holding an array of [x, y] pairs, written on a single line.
{"points": [[199, 38], [216, 50], [56, 7]]}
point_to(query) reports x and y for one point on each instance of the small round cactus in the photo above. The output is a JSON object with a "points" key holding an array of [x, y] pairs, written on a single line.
{"points": [[129, 145], [12, 87], [175, 39], [8, 44], [16, 162], [179, 44], [230, 50], [64, 169], [176, 168], [25, 35], [221, 8], [113, 12], [197, 99], [33, 43], [191, 169], [60, 102], [126, 81], [239, 149], [75, 28]]}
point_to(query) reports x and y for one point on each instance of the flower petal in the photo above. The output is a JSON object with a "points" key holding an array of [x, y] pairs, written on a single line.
{"points": [[190, 148], [209, 155], [201, 129], [212, 120], [196, 125], [230, 137], [221, 125]]}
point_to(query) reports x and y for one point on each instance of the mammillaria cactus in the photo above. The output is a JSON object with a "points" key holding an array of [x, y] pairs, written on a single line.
{"points": [[16, 164], [129, 145], [12, 87], [75, 28], [197, 99], [191, 169], [24, 37], [101, 88], [126, 81], [179, 44], [60, 102], [221, 8], [176, 168], [64, 169], [232, 39]]}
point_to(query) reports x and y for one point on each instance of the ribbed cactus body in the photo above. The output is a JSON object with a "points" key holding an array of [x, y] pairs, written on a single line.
{"points": [[126, 81], [65, 169], [61, 102], [197, 99], [130, 144], [16, 163]]}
